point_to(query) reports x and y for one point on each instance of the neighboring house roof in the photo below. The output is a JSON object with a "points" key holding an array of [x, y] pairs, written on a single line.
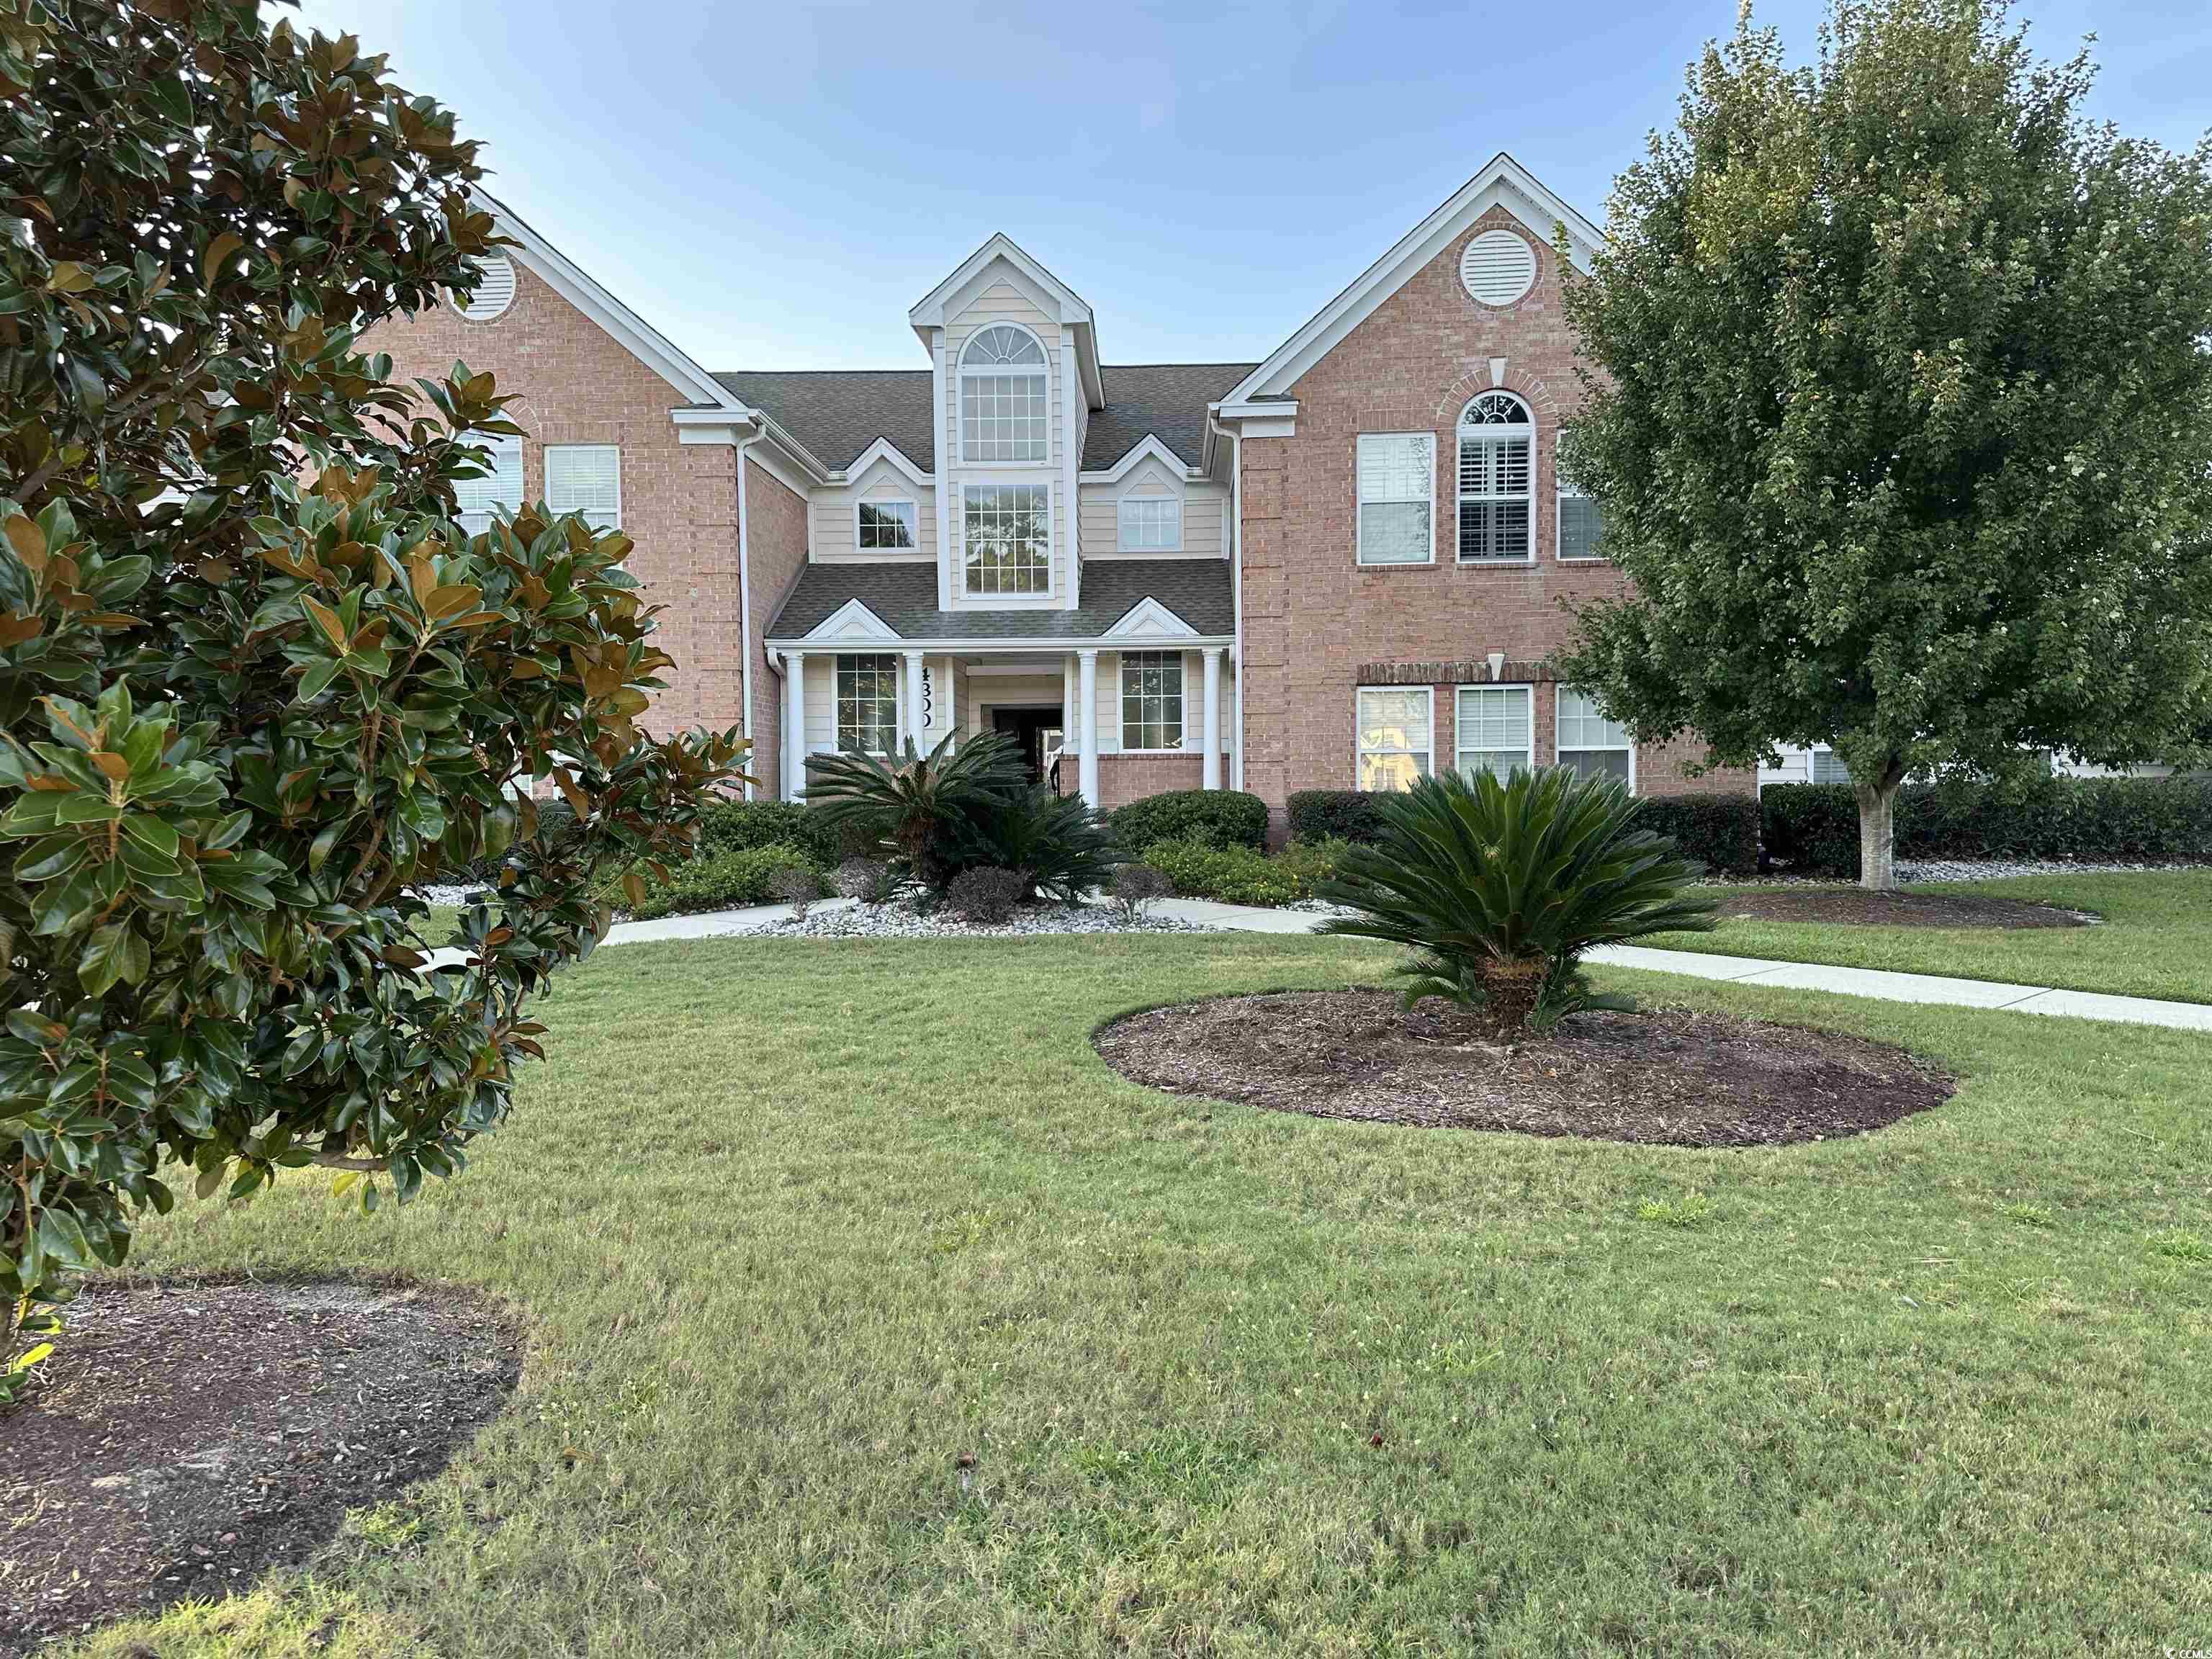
{"points": [[1168, 400], [837, 413], [904, 597]]}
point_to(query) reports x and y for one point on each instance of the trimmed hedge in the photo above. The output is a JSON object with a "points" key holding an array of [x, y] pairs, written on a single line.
{"points": [[1227, 875], [1720, 831], [1219, 817], [737, 826], [716, 881], [1814, 828], [1332, 814]]}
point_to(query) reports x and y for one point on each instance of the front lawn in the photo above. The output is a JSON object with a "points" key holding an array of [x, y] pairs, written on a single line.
{"points": [[2155, 939], [795, 1228]]}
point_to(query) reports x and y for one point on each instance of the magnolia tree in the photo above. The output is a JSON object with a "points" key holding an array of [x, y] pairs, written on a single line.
{"points": [[1899, 411], [256, 685]]}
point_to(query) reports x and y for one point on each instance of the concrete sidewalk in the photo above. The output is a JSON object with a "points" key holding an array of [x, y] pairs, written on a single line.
{"points": [[1877, 983]]}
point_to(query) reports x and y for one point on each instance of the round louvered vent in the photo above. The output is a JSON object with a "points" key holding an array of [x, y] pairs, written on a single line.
{"points": [[1498, 268], [494, 294]]}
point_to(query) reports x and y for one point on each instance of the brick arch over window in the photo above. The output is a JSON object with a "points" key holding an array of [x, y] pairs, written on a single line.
{"points": [[1474, 380]]}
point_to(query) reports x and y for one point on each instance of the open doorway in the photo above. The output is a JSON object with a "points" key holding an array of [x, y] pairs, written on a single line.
{"points": [[1038, 731]]}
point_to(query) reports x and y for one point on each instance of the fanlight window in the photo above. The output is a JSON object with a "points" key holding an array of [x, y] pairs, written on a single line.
{"points": [[1497, 441], [1004, 397]]}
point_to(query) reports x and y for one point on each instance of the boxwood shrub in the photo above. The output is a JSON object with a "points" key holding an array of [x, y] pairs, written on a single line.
{"points": [[1719, 831], [1814, 828], [736, 826], [1227, 875], [1219, 817], [1332, 814], [718, 880]]}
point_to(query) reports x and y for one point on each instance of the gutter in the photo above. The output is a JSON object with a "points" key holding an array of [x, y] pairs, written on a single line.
{"points": [[746, 610], [1235, 588]]}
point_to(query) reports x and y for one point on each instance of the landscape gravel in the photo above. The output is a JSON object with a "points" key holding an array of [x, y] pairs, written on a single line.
{"points": [[902, 920]]}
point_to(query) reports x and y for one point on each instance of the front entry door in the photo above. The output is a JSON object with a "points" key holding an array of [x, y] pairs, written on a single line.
{"points": [[1038, 731]]}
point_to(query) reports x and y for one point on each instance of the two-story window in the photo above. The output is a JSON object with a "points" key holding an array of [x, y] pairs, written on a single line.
{"points": [[1151, 700], [867, 703], [1497, 440], [586, 478], [1006, 530], [499, 491]]}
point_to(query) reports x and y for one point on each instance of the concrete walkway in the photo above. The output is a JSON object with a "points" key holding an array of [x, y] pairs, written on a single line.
{"points": [[1878, 983]]}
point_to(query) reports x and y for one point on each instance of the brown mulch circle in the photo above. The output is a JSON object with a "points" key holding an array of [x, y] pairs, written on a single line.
{"points": [[1856, 907], [186, 1438], [1671, 1077]]}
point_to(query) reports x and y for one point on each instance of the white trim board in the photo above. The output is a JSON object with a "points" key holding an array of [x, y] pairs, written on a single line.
{"points": [[936, 309], [1503, 182], [1148, 448], [851, 621]]}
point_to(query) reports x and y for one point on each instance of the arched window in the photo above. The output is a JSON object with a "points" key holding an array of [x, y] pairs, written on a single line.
{"points": [[1004, 397], [1497, 441]]}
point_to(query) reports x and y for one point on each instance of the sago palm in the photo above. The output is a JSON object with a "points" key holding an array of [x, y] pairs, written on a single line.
{"points": [[921, 808], [1501, 887]]}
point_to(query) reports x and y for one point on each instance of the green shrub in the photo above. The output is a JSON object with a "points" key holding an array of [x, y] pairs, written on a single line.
{"points": [[1814, 828], [1217, 817], [927, 812], [734, 826], [1313, 862], [1056, 844], [1719, 831], [1334, 815], [1228, 875], [717, 881], [1500, 888]]}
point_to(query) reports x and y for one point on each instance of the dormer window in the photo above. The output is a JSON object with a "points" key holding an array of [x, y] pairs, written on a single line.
{"points": [[1004, 397]]}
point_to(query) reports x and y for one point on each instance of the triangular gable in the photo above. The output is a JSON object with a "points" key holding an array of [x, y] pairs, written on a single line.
{"points": [[885, 450], [935, 308], [1148, 448], [1148, 619], [1502, 183], [852, 621], [644, 342]]}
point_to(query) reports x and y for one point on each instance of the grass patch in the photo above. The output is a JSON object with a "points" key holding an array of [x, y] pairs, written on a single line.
{"points": [[2155, 939], [873, 1314]]}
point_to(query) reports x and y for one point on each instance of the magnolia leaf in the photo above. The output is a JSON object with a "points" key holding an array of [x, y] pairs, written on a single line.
{"points": [[218, 252], [28, 541], [326, 619], [14, 630]]}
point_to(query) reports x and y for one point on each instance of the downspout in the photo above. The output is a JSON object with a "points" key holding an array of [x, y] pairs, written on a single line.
{"points": [[745, 612]]}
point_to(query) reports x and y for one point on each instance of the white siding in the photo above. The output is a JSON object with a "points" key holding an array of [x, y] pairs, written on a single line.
{"points": [[1204, 507], [833, 513], [1002, 301]]}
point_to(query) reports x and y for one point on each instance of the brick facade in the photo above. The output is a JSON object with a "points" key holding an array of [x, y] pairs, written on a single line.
{"points": [[679, 502], [1125, 778], [1318, 625], [775, 520]]}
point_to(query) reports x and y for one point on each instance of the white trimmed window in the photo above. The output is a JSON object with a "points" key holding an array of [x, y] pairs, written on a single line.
{"points": [[586, 478], [476, 500], [1005, 396], [1397, 497], [1150, 524], [1495, 729], [1497, 436], [1825, 765], [884, 526], [1394, 726], [867, 703], [1590, 742], [1151, 700], [1579, 520], [1007, 533]]}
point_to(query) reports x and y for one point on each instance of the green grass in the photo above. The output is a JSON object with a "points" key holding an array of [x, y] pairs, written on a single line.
{"points": [[2155, 939], [796, 1225]]}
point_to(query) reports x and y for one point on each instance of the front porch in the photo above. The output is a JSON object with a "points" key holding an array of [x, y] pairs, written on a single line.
{"points": [[1112, 722]]}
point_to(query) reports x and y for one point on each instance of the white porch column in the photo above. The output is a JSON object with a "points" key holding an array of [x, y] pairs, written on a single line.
{"points": [[1209, 773], [1086, 722], [914, 716], [1068, 695], [794, 724]]}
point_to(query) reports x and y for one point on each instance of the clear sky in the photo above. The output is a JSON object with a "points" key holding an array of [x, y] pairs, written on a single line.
{"points": [[774, 186]]}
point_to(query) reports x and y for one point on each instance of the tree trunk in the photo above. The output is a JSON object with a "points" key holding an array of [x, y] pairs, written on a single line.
{"points": [[1511, 989], [1878, 830]]}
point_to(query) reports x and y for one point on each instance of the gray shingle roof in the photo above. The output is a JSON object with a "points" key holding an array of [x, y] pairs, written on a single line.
{"points": [[904, 595], [837, 413]]}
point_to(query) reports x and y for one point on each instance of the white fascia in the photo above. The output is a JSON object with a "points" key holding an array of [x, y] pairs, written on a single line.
{"points": [[1149, 447], [938, 306]]}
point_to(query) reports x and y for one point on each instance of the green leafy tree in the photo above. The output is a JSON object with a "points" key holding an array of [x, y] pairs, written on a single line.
{"points": [[256, 684], [1899, 412]]}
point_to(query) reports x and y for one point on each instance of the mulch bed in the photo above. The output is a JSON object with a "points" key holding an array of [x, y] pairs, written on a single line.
{"points": [[1671, 1077], [186, 1438], [1856, 907]]}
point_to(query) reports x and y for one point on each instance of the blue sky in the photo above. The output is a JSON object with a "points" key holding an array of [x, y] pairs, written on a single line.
{"points": [[772, 187]]}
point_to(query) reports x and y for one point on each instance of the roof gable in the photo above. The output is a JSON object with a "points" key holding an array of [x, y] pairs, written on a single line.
{"points": [[1504, 182], [974, 273]]}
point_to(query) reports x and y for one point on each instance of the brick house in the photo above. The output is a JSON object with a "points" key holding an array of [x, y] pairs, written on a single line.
{"points": [[1339, 568]]}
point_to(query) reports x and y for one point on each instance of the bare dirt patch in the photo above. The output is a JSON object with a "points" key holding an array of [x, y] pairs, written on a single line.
{"points": [[187, 1437], [1671, 1077], [1854, 906]]}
